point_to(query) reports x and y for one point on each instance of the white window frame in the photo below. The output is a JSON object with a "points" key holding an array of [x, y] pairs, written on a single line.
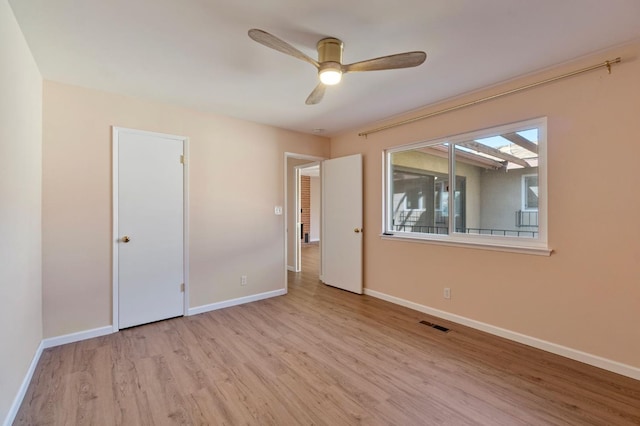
{"points": [[537, 245]]}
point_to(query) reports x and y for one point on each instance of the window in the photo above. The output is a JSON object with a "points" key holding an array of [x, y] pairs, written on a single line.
{"points": [[483, 188]]}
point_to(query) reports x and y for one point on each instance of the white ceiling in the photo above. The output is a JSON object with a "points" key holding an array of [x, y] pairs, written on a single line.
{"points": [[196, 53]]}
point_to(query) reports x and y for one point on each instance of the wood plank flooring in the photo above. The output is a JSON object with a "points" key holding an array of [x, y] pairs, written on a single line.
{"points": [[318, 356]]}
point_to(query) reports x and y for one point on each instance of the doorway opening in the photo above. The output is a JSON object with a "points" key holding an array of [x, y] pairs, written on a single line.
{"points": [[308, 211], [340, 248], [303, 213]]}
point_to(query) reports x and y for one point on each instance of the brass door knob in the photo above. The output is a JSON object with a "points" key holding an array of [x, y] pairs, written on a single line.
{"points": [[126, 239]]}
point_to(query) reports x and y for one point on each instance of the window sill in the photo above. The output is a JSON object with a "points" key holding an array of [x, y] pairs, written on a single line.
{"points": [[539, 251]]}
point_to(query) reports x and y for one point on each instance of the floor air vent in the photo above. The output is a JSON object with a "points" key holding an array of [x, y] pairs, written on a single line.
{"points": [[436, 326]]}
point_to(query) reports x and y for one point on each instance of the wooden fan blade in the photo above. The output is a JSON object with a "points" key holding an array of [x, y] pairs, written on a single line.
{"points": [[316, 96], [400, 60], [274, 42]]}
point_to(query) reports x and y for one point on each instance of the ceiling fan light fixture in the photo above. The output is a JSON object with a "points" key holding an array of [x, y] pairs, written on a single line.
{"points": [[330, 76], [330, 60]]}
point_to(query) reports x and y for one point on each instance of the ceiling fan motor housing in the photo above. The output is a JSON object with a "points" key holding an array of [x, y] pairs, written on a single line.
{"points": [[330, 50]]}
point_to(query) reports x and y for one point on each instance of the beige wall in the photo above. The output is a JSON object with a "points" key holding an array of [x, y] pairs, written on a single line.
{"points": [[20, 208], [236, 175], [586, 295]]}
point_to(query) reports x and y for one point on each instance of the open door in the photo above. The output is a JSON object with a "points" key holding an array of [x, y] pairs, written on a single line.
{"points": [[341, 240]]}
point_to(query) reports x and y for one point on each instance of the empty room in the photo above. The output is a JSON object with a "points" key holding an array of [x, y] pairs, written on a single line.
{"points": [[379, 213]]}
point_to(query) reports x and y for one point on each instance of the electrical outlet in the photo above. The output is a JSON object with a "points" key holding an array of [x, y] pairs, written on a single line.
{"points": [[447, 293], [243, 280]]}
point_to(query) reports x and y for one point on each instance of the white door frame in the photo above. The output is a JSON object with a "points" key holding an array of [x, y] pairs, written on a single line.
{"points": [[288, 155], [296, 209], [116, 131]]}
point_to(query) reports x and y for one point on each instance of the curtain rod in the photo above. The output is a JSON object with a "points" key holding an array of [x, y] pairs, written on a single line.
{"points": [[606, 64]]}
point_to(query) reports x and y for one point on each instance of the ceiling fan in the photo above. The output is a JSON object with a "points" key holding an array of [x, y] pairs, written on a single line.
{"points": [[329, 63]]}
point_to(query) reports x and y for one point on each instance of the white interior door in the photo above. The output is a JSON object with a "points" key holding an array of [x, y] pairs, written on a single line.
{"points": [[341, 240], [150, 227]]}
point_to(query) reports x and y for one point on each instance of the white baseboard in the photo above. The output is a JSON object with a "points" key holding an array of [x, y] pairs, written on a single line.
{"points": [[596, 361], [234, 302], [77, 337], [291, 268], [17, 401]]}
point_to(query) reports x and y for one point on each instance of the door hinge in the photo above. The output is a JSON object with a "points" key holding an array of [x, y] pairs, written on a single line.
{"points": [[182, 159], [182, 287]]}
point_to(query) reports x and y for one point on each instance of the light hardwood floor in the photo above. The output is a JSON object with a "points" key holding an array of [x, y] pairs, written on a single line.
{"points": [[318, 356]]}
